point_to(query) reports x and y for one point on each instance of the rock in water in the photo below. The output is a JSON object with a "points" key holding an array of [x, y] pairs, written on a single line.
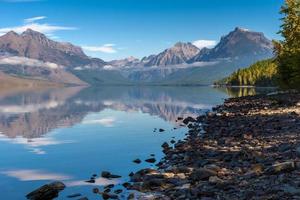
{"points": [[46, 192], [151, 160]]}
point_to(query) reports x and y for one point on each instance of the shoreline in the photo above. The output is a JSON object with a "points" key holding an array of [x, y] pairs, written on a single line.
{"points": [[246, 148]]}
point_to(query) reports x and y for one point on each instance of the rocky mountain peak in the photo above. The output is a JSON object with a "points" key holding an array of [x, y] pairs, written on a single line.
{"points": [[36, 45], [11, 33], [29, 31], [178, 54], [239, 43]]}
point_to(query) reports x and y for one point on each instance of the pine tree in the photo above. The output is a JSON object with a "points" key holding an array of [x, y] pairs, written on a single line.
{"points": [[288, 50]]}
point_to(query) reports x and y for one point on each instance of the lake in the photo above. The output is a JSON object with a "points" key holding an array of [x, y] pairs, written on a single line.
{"points": [[69, 134]]}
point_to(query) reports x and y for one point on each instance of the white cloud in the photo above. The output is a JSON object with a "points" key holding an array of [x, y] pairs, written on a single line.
{"points": [[35, 175], [33, 19], [30, 23], [204, 43], [43, 28], [106, 48], [108, 122], [34, 145], [98, 181], [15, 60]]}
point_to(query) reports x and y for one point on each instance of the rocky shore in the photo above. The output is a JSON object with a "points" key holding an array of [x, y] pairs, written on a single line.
{"points": [[247, 148]]}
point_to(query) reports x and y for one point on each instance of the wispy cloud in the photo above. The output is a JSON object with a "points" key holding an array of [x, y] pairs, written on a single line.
{"points": [[34, 145], [31, 23], [15, 60], [204, 43], [106, 48], [34, 175], [98, 181], [33, 19], [108, 122]]}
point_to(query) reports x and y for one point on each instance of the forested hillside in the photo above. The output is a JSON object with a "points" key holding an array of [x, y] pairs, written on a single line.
{"points": [[262, 73]]}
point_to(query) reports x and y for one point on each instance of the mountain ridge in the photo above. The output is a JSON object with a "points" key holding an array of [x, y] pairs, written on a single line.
{"points": [[35, 45], [174, 65]]}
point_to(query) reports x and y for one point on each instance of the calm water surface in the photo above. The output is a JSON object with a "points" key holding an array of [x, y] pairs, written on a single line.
{"points": [[69, 134]]}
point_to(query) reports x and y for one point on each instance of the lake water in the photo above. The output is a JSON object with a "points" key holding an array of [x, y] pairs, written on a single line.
{"points": [[68, 134]]}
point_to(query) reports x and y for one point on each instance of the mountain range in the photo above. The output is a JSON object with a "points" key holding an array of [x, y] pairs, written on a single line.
{"points": [[34, 56]]}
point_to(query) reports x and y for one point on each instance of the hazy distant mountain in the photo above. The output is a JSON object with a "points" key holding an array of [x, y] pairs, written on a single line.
{"points": [[33, 55], [178, 54], [35, 45], [238, 44], [130, 61]]}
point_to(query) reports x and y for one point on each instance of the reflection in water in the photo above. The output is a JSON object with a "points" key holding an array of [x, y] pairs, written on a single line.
{"points": [[33, 114], [244, 91], [71, 133]]}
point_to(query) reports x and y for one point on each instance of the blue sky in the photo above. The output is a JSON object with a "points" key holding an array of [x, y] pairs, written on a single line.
{"points": [[113, 29]]}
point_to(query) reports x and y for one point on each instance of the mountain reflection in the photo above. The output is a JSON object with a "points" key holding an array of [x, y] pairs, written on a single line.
{"points": [[34, 113]]}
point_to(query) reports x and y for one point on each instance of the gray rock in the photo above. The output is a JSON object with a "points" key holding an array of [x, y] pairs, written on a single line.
{"points": [[46, 192], [202, 174]]}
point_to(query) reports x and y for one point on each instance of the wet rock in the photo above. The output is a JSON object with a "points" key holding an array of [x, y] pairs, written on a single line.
{"points": [[126, 185], [107, 190], [106, 174], [130, 196], [281, 167], [215, 180], [96, 190], [83, 198], [202, 174], [188, 120], [137, 161], [46, 192], [131, 174], [91, 181], [165, 145], [150, 160], [74, 195], [109, 186], [109, 196], [118, 191], [138, 176], [161, 130]]}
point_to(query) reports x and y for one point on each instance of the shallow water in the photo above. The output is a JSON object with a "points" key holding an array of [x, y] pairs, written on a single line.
{"points": [[71, 133]]}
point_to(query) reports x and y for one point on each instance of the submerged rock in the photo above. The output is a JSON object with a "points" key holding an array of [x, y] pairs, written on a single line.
{"points": [[74, 195], [151, 160], [137, 161], [46, 192], [106, 174]]}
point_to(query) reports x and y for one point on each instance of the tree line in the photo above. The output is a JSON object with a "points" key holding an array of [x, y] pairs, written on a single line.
{"points": [[284, 69]]}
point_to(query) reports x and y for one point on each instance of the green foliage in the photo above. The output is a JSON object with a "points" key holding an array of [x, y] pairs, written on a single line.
{"points": [[262, 73], [288, 50]]}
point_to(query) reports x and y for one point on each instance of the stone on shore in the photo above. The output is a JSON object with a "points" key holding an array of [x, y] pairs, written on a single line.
{"points": [[46, 192]]}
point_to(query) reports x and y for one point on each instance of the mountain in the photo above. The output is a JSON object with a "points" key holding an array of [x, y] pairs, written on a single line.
{"points": [[130, 61], [178, 54], [32, 55], [35, 45], [238, 44]]}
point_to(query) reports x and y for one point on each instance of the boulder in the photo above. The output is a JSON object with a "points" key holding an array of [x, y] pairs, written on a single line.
{"points": [[202, 174], [280, 167], [46, 192]]}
